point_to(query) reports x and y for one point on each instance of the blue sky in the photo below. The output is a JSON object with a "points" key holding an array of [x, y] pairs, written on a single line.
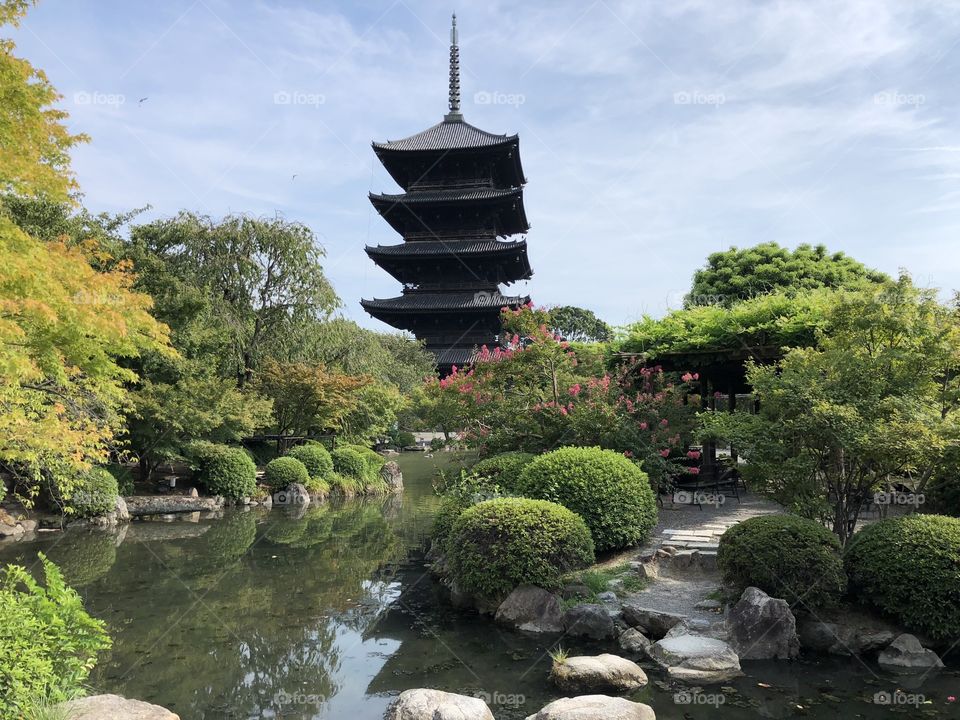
{"points": [[652, 133]]}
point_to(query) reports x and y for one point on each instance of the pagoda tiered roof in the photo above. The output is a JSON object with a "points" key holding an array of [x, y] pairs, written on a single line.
{"points": [[448, 134], [499, 211], [493, 261]]}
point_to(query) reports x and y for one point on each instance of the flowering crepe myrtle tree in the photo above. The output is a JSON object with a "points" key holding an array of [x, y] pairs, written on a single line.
{"points": [[532, 394]]}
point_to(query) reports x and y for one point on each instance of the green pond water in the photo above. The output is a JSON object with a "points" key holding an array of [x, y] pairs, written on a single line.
{"points": [[331, 612]]}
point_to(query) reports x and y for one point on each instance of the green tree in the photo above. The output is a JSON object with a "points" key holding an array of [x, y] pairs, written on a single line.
{"points": [[35, 141], [260, 278], [579, 325], [308, 397], [739, 274], [70, 321], [874, 400]]}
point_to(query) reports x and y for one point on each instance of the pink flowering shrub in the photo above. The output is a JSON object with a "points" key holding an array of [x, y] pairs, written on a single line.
{"points": [[531, 394]]}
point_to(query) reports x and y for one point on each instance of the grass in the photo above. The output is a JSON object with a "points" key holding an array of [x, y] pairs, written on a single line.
{"points": [[45, 710], [559, 655], [597, 579]]}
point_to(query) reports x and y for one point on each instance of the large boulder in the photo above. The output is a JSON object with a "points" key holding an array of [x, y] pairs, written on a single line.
{"points": [[114, 707], [842, 638], [425, 704], [696, 659], [598, 673], [294, 495], [531, 609], [652, 623], [594, 707], [762, 628], [390, 472], [906, 653], [592, 621], [635, 643]]}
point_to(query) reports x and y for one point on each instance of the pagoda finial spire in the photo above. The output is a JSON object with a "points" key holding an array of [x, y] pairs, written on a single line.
{"points": [[454, 105]]}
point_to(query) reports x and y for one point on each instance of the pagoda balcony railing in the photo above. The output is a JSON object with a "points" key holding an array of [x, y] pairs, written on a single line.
{"points": [[473, 284], [449, 234], [452, 184]]}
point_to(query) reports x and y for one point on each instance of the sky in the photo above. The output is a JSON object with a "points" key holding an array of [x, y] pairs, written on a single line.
{"points": [[652, 133]]}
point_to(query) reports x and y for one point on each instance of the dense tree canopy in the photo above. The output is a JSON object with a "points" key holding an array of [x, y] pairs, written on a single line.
{"points": [[579, 325], [740, 274], [875, 399], [261, 278]]}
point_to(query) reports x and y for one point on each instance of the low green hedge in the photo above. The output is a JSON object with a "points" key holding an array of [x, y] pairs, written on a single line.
{"points": [[96, 494], [909, 567], [497, 545], [787, 557], [610, 493], [48, 642], [315, 457], [224, 470], [284, 472]]}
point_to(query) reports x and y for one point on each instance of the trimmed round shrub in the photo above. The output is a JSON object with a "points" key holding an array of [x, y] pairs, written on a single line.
{"points": [[787, 557], [450, 508], [610, 493], [95, 495], [283, 472], [499, 544], [909, 567], [371, 459], [504, 468], [316, 458], [347, 461], [225, 470]]}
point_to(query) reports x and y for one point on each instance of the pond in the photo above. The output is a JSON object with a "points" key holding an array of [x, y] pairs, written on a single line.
{"points": [[332, 612]]}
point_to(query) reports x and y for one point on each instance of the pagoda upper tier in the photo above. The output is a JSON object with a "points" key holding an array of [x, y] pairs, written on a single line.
{"points": [[454, 213], [453, 153], [456, 261]]}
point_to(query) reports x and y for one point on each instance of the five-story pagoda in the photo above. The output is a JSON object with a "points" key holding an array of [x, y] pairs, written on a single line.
{"points": [[463, 192]]}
